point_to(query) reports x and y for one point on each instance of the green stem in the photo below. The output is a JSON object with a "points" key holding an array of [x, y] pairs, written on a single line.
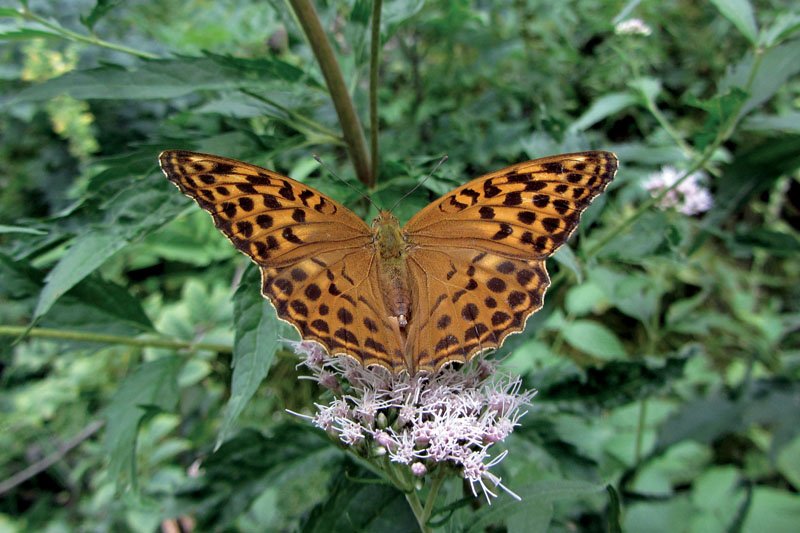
{"points": [[74, 36], [351, 126], [48, 333], [374, 67], [704, 158], [640, 426], [434, 490], [416, 506], [295, 116]]}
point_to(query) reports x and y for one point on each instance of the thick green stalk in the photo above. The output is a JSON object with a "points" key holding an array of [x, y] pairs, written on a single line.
{"points": [[351, 126], [374, 67]]}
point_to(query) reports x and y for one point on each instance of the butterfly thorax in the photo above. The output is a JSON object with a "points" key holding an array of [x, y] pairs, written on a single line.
{"points": [[393, 271]]}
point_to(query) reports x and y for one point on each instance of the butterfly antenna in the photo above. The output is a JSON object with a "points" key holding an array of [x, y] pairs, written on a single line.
{"points": [[420, 183], [321, 162]]}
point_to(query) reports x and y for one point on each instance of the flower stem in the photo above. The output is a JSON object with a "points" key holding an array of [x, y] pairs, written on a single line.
{"points": [[48, 333], [351, 126], [438, 479], [416, 506], [374, 68], [74, 36]]}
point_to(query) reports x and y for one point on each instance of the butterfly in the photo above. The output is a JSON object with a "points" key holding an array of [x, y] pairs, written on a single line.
{"points": [[460, 277]]}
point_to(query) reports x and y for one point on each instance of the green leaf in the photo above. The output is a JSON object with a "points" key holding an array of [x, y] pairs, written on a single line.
{"points": [[244, 466], [549, 491], [23, 33], [20, 229], [751, 172], [593, 338], [140, 207], [163, 78], [775, 242], [89, 252], [151, 388], [254, 346], [352, 506], [740, 13], [638, 297], [566, 257], [789, 462], [100, 9], [775, 68], [785, 26], [788, 123], [10, 12], [772, 510], [603, 107], [614, 384], [534, 518], [722, 110]]}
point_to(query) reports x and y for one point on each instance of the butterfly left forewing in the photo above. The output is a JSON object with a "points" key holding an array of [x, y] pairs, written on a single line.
{"points": [[316, 262]]}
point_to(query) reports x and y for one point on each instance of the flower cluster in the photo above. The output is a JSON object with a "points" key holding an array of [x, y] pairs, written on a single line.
{"points": [[424, 421], [690, 197], [632, 27]]}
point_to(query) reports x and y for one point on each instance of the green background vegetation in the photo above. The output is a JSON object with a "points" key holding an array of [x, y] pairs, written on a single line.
{"points": [[666, 358]]}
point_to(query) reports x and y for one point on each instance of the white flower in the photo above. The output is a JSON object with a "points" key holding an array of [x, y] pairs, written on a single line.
{"points": [[452, 416], [690, 196], [632, 27]]}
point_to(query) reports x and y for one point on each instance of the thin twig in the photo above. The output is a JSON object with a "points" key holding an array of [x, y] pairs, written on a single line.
{"points": [[83, 336], [50, 460]]}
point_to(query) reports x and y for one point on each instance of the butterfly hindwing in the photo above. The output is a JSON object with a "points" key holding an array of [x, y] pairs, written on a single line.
{"points": [[471, 301]]}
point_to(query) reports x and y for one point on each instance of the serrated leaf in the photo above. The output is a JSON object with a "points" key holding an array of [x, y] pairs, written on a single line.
{"points": [[151, 388], [549, 491], [163, 78], [352, 506], [89, 252], [254, 346], [141, 207], [594, 339], [740, 13]]}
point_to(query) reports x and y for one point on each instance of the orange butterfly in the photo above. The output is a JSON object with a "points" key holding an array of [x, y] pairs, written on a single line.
{"points": [[463, 274]]}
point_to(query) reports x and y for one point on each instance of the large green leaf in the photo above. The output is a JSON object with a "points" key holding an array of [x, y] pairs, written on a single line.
{"points": [[354, 506], [254, 346], [162, 78], [151, 388]]}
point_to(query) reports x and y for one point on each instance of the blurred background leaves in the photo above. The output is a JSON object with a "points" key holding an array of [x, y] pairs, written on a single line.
{"points": [[667, 352]]}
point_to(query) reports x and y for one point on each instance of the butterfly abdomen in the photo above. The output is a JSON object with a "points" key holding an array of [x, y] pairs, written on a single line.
{"points": [[393, 272]]}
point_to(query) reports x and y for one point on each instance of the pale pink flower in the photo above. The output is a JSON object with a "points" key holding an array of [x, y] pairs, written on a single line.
{"points": [[690, 196], [452, 416]]}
